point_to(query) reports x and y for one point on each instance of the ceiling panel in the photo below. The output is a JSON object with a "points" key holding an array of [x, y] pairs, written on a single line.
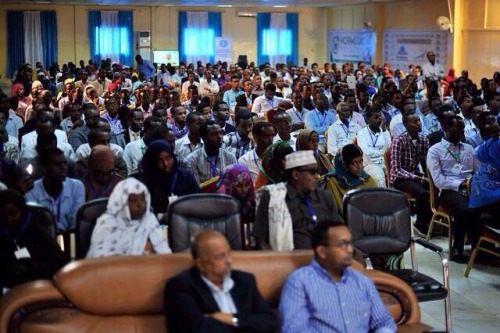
{"points": [[206, 3]]}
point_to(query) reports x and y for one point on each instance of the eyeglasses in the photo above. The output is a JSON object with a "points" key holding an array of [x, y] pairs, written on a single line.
{"points": [[311, 171], [343, 244], [104, 173]]}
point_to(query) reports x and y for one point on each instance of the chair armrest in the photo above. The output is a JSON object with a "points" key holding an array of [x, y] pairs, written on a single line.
{"points": [[16, 304], [428, 245]]}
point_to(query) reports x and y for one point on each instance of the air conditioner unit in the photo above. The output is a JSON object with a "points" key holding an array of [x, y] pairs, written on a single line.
{"points": [[245, 13], [144, 38]]}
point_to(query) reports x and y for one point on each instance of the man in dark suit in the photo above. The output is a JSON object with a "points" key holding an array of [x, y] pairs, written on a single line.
{"points": [[210, 297]]}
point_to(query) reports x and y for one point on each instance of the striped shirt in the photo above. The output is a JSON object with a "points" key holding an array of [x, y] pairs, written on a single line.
{"points": [[203, 168], [311, 301]]}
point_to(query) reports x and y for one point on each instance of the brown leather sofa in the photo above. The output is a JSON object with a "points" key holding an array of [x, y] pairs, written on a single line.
{"points": [[125, 294]]}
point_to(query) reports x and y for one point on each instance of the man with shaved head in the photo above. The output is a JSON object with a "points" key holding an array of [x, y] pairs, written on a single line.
{"points": [[211, 297]]}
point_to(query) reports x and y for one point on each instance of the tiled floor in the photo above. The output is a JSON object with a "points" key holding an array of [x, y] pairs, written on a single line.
{"points": [[475, 301]]}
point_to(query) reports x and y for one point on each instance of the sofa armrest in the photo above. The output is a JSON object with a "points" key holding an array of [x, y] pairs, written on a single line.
{"points": [[397, 296], [26, 298]]}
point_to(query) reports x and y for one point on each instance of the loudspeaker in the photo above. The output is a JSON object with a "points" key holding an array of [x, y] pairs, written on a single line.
{"points": [[242, 61]]}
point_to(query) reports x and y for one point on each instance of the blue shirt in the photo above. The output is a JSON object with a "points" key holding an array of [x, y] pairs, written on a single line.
{"points": [[146, 68], [230, 97], [65, 206], [311, 301], [319, 122]]}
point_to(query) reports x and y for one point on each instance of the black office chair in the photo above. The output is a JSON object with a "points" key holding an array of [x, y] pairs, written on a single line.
{"points": [[44, 217], [86, 217], [191, 213], [379, 221]]}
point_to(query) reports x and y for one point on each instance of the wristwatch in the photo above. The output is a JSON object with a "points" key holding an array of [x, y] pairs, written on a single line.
{"points": [[235, 321]]}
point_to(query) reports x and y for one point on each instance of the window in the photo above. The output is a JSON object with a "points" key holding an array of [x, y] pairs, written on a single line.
{"points": [[277, 40]]}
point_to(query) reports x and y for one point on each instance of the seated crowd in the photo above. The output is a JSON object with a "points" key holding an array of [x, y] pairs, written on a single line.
{"points": [[287, 143]]}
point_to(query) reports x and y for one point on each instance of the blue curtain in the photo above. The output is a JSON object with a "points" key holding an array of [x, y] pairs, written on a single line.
{"points": [[15, 41], [292, 23], [48, 22], [182, 23], [125, 21], [214, 23], [94, 21], [263, 22]]}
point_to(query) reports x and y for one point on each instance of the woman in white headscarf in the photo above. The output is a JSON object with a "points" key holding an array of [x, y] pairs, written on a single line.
{"points": [[128, 227]]}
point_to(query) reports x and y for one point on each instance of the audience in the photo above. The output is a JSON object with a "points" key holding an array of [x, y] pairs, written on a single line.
{"points": [[128, 227], [273, 164], [308, 140]]}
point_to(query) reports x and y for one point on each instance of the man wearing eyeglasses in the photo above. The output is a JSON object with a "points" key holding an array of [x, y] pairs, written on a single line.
{"points": [[327, 295], [287, 212]]}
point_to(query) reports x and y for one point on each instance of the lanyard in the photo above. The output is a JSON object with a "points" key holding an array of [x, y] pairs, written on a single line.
{"points": [[172, 182], [213, 165], [270, 102], [345, 128], [371, 137], [298, 114], [255, 161], [19, 230], [456, 156], [414, 149], [321, 122], [239, 146], [310, 210]]}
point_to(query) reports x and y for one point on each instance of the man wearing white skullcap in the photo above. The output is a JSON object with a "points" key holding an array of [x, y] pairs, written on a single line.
{"points": [[287, 212]]}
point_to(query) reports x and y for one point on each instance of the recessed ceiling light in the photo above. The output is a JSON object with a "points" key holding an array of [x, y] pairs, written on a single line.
{"points": [[280, 6], [225, 6]]}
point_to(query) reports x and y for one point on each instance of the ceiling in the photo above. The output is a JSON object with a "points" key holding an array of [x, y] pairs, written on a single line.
{"points": [[206, 3]]}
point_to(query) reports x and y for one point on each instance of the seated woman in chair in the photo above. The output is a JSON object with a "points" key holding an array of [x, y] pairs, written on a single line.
{"points": [[27, 251], [308, 140], [237, 182], [273, 165], [163, 177], [348, 174], [128, 227]]}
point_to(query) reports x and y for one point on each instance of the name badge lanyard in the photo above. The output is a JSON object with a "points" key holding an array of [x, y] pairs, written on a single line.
{"points": [[173, 179], [18, 232], [310, 210], [213, 165], [374, 143], [346, 129], [239, 145], [456, 156], [321, 122], [297, 114]]}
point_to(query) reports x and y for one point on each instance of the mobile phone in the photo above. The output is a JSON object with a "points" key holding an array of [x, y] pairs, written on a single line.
{"points": [[351, 82]]}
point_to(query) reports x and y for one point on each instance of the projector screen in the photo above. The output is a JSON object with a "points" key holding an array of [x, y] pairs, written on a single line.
{"points": [[166, 56]]}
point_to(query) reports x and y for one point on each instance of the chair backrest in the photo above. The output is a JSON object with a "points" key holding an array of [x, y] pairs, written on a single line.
{"points": [[433, 192], [191, 213], [379, 220], [44, 217], [387, 164], [86, 218]]}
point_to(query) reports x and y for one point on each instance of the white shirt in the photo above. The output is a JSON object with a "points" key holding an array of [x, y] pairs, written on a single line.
{"points": [[291, 142], [222, 295], [185, 86], [434, 71], [184, 147], [339, 135], [373, 145], [85, 150], [132, 154], [31, 152], [262, 104], [205, 86], [253, 162]]}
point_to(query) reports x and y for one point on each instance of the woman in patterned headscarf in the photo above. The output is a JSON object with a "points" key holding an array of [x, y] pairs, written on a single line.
{"points": [[237, 182], [273, 164], [128, 227], [348, 174]]}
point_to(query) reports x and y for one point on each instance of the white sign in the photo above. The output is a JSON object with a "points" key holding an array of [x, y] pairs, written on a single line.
{"points": [[166, 56], [223, 50], [351, 45], [404, 47]]}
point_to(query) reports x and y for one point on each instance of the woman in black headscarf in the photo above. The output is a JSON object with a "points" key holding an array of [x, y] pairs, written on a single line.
{"points": [[162, 176], [27, 250]]}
